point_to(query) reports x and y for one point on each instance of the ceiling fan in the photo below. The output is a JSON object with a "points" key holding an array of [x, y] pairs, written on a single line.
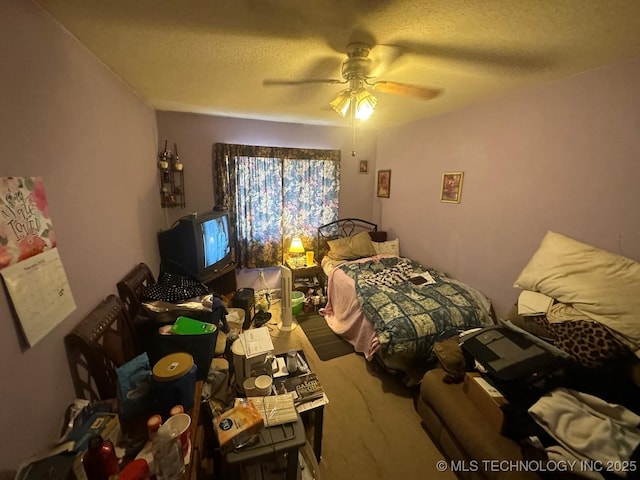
{"points": [[359, 74]]}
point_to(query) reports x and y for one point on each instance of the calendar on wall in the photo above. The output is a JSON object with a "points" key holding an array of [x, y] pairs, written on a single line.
{"points": [[29, 260]]}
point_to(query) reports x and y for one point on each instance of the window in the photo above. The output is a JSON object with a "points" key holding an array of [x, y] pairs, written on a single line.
{"points": [[274, 194]]}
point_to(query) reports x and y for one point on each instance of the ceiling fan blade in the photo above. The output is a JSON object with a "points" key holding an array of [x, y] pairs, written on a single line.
{"points": [[405, 89], [484, 57], [332, 81], [382, 58]]}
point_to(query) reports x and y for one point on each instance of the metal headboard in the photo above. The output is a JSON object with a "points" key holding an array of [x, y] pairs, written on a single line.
{"points": [[344, 227]]}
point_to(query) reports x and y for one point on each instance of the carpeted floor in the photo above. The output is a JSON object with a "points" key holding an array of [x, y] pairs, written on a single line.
{"points": [[371, 428], [327, 344]]}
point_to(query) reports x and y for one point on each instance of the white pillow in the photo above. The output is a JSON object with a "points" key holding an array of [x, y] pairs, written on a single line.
{"points": [[392, 247], [600, 284]]}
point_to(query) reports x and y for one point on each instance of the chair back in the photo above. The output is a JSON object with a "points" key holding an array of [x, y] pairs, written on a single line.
{"points": [[132, 286], [97, 346]]}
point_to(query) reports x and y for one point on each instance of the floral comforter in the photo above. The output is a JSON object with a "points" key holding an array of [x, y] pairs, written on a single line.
{"points": [[409, 318]]}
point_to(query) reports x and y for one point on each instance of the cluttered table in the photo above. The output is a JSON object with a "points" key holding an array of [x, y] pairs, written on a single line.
{"points": [[277, 417], [311, 408], [66, 460]]}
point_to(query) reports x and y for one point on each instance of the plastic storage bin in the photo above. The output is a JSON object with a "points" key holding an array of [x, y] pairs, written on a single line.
{"points": [[297, 301]]}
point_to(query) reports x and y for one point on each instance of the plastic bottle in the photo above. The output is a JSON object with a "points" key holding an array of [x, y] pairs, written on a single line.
{"points": [[168, 458], [100, 461]]}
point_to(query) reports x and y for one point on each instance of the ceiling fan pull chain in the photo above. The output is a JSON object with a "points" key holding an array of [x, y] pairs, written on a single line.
{"points": [[353, 121], [353, 152]]}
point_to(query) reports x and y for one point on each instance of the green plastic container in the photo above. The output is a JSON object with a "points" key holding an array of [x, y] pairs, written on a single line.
{"points": [[190, 326], [297, 301]]}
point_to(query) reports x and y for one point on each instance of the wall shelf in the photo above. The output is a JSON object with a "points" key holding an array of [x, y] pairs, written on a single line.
{"points": [[171, 174]]}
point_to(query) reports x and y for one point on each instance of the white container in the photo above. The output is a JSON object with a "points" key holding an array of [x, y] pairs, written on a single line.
{"points": [[263, 385], [249, 387], [242, 365]]}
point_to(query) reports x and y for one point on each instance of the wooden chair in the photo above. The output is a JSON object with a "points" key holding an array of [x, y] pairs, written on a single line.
{"points": [[132, 286], [130, 289], [98, 345]]}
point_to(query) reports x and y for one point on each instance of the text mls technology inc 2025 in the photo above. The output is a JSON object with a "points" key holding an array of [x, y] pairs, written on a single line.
{"points": [[543, 466]]}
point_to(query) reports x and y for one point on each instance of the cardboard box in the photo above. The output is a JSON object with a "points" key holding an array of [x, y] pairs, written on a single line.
{"points": [[486, 398]]}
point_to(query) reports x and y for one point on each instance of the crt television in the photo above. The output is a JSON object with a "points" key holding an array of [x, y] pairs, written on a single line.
{"points": [[200, 245]]}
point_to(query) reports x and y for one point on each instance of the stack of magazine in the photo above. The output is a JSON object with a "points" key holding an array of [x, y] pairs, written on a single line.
{"points": [[304, 388]]}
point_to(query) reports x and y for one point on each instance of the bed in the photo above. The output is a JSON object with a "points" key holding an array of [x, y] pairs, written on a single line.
{"points": [[391, 308]]}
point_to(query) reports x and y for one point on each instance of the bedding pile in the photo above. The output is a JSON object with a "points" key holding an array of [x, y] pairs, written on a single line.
{"points": [[589, 432], [583, 284], [586, 302]]}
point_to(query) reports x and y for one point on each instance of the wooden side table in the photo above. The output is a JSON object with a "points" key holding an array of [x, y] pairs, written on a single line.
{"points": [[312, 273]]}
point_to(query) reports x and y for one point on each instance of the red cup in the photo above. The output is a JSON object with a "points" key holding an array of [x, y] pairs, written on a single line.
{"points": [[181, 423]]}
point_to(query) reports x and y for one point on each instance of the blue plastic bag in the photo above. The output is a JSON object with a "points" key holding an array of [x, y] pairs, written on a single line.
{"points": [[135, 387]]}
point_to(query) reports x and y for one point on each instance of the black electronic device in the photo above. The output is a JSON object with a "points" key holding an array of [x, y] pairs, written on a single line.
{"points": [[244, 299], [200, 245], [515, 361]]}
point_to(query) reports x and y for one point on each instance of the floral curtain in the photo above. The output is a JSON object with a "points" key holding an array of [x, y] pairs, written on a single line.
{"points": [[274, 194]]}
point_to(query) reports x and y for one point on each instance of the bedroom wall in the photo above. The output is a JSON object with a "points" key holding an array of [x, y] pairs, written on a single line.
{"points": [[67, 118], [561, 157], [196, 134]]}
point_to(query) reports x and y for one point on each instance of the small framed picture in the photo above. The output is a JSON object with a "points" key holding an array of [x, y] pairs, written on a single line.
{"points": [[363, 166], [451, 187], [384, 183]]}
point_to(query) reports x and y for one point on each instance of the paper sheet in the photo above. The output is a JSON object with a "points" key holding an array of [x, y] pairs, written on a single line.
{"points": [[40, 293], [256, 341]]}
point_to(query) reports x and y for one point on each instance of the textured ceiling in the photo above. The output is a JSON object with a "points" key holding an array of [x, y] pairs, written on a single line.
{"points": [[211, 56]]}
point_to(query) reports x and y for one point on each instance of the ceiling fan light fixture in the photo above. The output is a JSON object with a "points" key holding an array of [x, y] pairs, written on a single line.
{"points": [[341, 103], [365, 103]]}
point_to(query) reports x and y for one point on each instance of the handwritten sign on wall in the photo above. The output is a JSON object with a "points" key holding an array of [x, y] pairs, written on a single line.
{"points": [[30, 264], [25, 225]]}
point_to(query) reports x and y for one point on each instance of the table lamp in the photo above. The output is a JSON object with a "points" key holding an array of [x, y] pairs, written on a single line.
{"points": [[296, 251]]}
